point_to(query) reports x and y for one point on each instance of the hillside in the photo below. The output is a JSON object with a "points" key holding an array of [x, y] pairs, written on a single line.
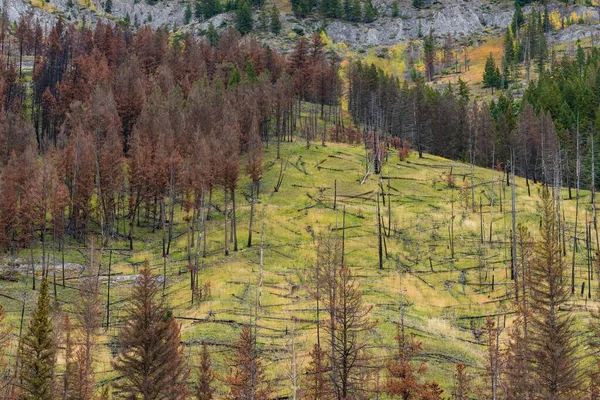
{"points": [[445, 294]]}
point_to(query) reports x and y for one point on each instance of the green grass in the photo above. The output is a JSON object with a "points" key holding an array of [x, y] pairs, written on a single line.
{"points": [[421, 211]]}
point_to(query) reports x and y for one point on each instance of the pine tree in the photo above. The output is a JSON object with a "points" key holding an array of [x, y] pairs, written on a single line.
{"points": [[330, 8], [243, 18], [275, 24], [212, 34], [301, 8], [38, 352], [263, 19], [246, 379], [108, 6], [370, 13], [234, 77], [429, 55], [395, 9], [188, 14], [518, 17], [417, 3], [150, 360], [556, 367], [205, 377]]}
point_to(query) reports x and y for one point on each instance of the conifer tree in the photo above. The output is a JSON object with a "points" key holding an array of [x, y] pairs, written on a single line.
{"points": [[108, 6], [317, 385], [395, 9], [491, 74], [370, 13], [275, 24], [405, 377], [243, 18], [150, 360], [246, 379], [205, 377], [38, 352], [188, 14], [556, 368], [330, 8], [212, 34]]}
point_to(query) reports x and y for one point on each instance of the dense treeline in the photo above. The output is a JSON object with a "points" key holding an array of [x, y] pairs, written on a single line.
{"points": [[131, 123], [446, 123]]}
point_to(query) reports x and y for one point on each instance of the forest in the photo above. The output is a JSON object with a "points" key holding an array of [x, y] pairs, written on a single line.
{"points": [[147, 153]]}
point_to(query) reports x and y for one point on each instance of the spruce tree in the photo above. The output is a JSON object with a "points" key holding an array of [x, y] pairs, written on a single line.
{"points": [[395, 9], [212, 34], [330, 8], [234, 77], [151, 360], [38, 352], [369, 11], [263, 19], [243, 18], [491, 74], [275, 24], [188, 14], [108, 6], [417, 3]]}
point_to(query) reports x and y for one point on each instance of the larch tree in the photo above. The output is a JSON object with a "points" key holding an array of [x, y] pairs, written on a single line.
{"points": [[38, 352], [151, 360]]}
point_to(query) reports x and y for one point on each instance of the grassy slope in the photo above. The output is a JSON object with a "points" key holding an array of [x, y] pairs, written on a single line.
{"points": [[421, 213]]}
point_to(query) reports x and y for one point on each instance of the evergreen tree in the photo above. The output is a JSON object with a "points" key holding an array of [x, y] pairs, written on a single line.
{"points": [[330, 8], [188, 14], [251, 75], [234, 77], [263, 19], [151, 360], [417, 3], [395, 9], [207, 8], [108, 6], [301, 8], [205, 377], [38, 352], [463, 90], [429, 55], [518, 17], [198, 12], [244, 22], [212, 34], [491, 74], [509, 47], [369, 12], [275, 21]]}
